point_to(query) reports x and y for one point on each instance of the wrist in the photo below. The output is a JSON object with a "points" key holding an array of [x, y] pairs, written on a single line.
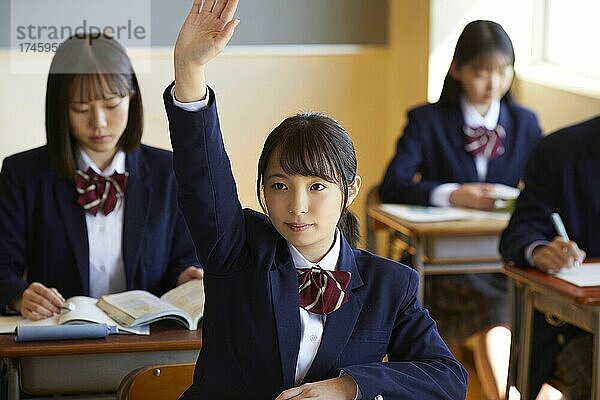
{"points": [[190, 84]]}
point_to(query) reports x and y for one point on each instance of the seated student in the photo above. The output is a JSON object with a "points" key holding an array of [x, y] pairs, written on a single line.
{"points": [[562, 177], [269, 331], [93, 211], [473, 137]]}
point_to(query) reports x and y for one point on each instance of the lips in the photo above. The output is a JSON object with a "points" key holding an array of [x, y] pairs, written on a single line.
{"points": [[100, 139], [298, 227]]}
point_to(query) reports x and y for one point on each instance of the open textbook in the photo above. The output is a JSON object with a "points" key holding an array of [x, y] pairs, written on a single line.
{"points": [[185, 304], [438, 214], [83, 310]]}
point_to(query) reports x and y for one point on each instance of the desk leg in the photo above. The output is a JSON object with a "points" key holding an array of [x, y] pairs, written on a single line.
{"points": [[596, 361], [418, 264], [526, 328], [12, 374], [515, 292]]}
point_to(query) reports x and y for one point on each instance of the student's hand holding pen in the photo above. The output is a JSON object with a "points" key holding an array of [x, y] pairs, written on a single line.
{"points": [[38, 302], [557, 255]]}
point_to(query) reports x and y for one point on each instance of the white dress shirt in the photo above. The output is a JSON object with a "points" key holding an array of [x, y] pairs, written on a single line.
{"points": [[105, 235], [440, 195]]}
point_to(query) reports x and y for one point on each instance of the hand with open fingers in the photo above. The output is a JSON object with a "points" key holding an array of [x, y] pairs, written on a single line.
{"points": [[205, 32], [190, 273], [472, 195], [38, 302], [557, 255], [340, 388]]}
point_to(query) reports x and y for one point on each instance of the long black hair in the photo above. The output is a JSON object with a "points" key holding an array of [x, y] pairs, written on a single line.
{"points": [[96, 64], [478, 39], [313, 144]]}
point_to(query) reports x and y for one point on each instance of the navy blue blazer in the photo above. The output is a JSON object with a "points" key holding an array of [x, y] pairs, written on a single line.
{"points": [[43, 229], [251, 328], [561, 176], [433, 147]]}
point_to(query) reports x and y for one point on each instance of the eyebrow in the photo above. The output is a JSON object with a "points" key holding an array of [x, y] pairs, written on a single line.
{"points": [[277, 175], [106, 99]]}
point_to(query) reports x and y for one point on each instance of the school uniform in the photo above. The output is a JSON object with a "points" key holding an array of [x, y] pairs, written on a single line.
{"points": [[433, 147], [44, 231], [252, 330], [562, 177]]}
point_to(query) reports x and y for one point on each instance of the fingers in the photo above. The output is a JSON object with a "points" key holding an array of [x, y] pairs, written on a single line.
{"points": [[290, 393], [39, 302], [190, 273], [196, 7], [228, 10], [208, 5], [557, 255], [225, 35]]}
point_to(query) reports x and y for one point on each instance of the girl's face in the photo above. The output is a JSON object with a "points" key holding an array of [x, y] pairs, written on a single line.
{"points": [[484, 80], [97, 125], [304, 209]]}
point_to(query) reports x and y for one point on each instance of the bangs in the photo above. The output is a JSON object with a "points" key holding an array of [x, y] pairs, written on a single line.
{"points": [[491, 60], [91, 87], [301, 152]]}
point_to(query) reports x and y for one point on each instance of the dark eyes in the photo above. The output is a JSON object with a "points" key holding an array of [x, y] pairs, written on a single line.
{"points": [[317, 187], [278, 186]]}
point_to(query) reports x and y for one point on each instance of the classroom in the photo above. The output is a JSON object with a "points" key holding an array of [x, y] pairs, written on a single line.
{"points": [[371, 68]]}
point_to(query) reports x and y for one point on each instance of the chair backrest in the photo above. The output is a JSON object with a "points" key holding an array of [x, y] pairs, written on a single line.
{"points": [[156, 382]]}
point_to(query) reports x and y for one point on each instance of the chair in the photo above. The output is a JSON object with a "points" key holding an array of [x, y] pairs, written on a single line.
{"points": [[156, 382]]}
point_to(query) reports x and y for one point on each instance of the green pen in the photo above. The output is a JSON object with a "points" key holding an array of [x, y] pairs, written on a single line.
{"points": [[562, 232]]}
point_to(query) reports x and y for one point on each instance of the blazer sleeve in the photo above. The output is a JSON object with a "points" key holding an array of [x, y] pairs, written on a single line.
{"points": [[531, 219], [12, 236], [399, 185], [206, 188], [419, 366]]}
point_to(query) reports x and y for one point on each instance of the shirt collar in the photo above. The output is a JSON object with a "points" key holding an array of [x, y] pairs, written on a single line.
{"points": [[329, 262], [474, 119], [116, 165]]}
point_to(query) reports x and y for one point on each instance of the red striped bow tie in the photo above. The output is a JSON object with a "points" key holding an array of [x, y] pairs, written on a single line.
{"points": [[322, 291], [97, 192], [481, 140]]}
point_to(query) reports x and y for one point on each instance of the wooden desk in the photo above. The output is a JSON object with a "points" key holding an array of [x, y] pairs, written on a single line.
{"points": [[95, 365], [423, 237], [535, 290]]}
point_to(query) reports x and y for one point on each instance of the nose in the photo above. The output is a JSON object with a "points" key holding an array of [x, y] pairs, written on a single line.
{"points": [[495, 81], [298, 204], [98, 118]]}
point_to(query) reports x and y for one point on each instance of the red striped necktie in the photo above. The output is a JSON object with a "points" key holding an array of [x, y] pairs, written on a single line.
{"points": [[322, 291], [97, 192], [482, 140]]}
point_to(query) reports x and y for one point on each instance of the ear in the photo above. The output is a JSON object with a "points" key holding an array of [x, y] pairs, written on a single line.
{"points": [[455, 71], [354, 188]]}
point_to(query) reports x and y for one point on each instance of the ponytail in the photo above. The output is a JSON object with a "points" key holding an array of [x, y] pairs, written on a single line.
{"points": [[349, 226]]}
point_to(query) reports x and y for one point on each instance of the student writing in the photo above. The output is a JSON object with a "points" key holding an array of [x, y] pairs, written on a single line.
{"points": [[473, 137], [93, 211], [562, 178], [267, 333]]}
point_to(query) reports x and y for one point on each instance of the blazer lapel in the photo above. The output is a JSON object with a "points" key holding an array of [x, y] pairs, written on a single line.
{"points": [[137, 207], [340, 324], [497, 166], [73, 216], [284, 294]]}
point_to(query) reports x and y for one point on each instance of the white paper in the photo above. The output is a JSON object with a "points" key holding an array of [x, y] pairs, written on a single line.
{"points": [[586, 275], [439, 214]]}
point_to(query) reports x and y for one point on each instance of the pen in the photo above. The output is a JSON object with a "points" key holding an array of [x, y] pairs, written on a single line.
{"points": [[559, 226], [562, 232]]}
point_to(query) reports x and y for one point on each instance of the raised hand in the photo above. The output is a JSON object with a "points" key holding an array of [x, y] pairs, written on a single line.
{"points": [[205, 32]]}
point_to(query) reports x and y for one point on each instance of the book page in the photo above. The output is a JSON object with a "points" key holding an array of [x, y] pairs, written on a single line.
{"points": [[189, 297], [138, 303], [84, 311], [8, 324], [586, 275], [440, 214]]}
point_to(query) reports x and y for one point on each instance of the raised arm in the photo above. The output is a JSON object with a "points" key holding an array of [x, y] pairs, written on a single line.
{"points": [[204, 34], [206, 188]]}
